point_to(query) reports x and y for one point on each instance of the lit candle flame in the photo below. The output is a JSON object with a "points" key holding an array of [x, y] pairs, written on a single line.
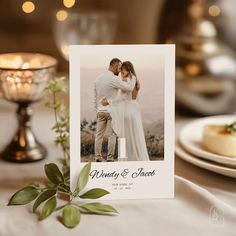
{"points": [[18, 63]]}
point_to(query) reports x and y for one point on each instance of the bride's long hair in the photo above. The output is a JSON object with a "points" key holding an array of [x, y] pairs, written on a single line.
{"points": [[128, 66]]}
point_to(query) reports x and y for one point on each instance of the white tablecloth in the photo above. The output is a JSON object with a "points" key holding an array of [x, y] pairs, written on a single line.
{"points": [[204, 204]]}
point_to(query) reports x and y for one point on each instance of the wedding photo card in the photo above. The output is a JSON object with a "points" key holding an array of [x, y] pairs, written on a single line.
{"points": [[122, 118]]}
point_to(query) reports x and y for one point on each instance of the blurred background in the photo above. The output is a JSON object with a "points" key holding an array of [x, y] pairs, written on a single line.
{"points": [[203, 31], [131, 22]]}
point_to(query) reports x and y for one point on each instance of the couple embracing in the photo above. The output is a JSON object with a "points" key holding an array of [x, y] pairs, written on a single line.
{"points": [[118, 112]]}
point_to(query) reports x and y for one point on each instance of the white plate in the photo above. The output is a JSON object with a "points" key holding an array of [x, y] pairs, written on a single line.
{"points": [[227, 171], [191, 135]]}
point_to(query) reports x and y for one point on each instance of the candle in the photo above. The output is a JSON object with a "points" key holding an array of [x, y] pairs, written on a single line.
{"points": [[23, 76], [122, 148], [23, 79], [21, 62]]}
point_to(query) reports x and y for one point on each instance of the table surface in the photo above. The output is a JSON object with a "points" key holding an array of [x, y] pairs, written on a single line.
{"points": [[204, 204]]}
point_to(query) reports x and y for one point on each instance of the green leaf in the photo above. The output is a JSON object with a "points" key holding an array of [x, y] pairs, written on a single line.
{"points": [[53, 173], [48, 208], [24, 196], [43, 197], [83, 178], [71, 216], [98, 208], [94, 193]]}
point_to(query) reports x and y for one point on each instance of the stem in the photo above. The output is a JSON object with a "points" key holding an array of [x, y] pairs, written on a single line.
{"points": [[60, 207], [64, 150], [55, 110], [66, 190]]}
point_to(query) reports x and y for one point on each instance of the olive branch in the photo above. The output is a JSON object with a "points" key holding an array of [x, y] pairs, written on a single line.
{"points": [[57, 186]]}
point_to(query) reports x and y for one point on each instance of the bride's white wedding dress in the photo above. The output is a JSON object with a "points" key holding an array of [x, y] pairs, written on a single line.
{"points": [[127, 123]]}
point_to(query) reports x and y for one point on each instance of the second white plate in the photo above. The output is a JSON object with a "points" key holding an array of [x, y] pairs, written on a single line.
{"points": [[211, 166], [191, 135]]}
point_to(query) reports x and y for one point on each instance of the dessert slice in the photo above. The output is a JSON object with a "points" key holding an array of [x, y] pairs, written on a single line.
{"points": [[220, 139]]}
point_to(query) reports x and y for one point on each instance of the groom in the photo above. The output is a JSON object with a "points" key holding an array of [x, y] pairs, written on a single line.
{"points": [[106, 86]]}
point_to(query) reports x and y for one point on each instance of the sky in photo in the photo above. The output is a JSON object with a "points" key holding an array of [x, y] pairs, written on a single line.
{"points": [[150, 72], [148, 61]]}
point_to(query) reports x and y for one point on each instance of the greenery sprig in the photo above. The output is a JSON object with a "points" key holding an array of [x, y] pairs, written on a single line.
{"points": [[231, 128], [57, 187], [61, 114]]}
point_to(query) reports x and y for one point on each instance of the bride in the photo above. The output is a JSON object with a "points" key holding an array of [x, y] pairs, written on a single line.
{"points": [[126, 117]]}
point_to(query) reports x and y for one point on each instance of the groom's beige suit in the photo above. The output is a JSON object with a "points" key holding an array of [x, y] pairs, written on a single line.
{"points": [[106, 86]]}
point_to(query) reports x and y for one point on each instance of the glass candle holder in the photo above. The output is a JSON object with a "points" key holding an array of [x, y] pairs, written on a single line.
{"points": [[23, 79]]}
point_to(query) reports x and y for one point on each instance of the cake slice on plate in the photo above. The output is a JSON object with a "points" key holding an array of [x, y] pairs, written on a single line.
{"points": [[220, 139]]}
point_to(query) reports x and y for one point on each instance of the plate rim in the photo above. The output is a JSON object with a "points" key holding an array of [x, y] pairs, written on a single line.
{"points": [[202, 163]]}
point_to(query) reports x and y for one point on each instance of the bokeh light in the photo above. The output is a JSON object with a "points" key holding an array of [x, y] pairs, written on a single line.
{"points": [[214, 11], [28, 7], [61, 15], [69, 3]]}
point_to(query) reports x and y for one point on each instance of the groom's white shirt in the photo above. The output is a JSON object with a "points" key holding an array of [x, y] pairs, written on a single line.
{"points": [[106, 86]]}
